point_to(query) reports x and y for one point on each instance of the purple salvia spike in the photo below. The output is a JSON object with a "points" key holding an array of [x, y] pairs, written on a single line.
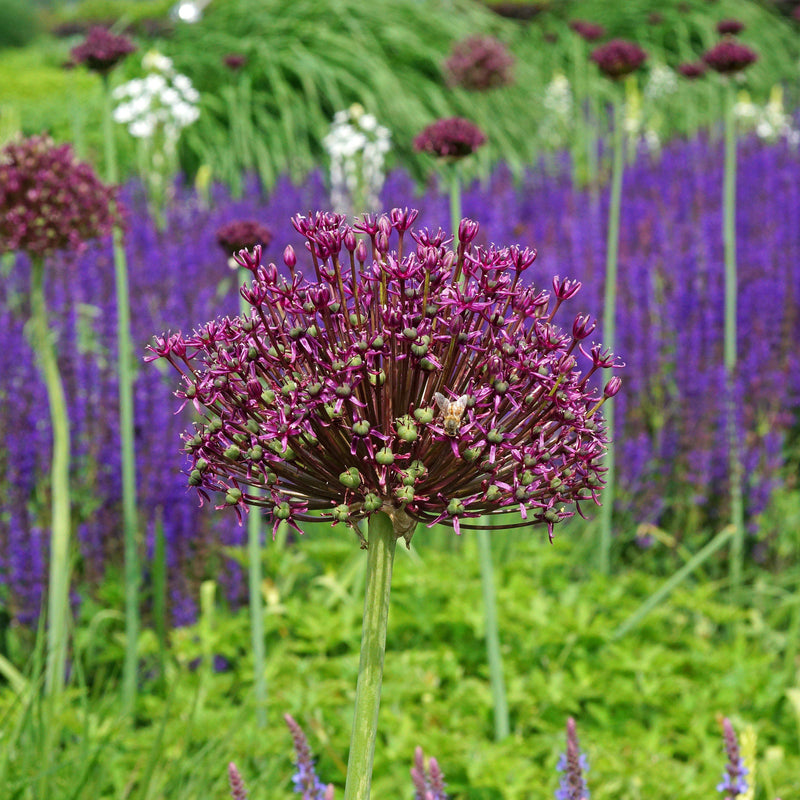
{"points": [[238, 790]]}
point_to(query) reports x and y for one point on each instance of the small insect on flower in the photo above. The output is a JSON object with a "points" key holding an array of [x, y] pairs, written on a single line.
{"points": [[452, 410]]}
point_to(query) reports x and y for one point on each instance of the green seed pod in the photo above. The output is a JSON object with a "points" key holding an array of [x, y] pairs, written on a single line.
{"points": [[471, 453], [493, 493], [195, 478], [527, 478], [350, 478], [281, 511], [372, 503], [314, 389], [404, 494], [361, 427], [201, 464], [423, 415], [233, 453], [268, 396], [341, 513], [356, 361], [455, 507], [233, 496], [494, 436], [191, 391], [255, 453], [344, 390], [288, 388], [215, 425], [253, 426], [384, 456]]}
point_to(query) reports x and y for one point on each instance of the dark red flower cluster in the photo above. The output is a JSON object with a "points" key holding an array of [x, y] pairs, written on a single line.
{"points": [[102, 50], [479, 63], [730, 27], [242, 234], [424, 379], [729, 56], [588, 31], [49, 201], [234, 61], [618, 58], [692, 69], [520, 10], [454, 137]]}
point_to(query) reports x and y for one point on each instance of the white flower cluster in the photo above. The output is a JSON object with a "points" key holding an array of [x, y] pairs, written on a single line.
{"points": [[357, 146], [163, 101], [558, 105], [661, 82], [770, 122]]}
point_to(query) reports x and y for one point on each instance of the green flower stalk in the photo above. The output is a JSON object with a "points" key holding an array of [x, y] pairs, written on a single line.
{"points": [[423, 382], [101, 52], [616, 60], [50, 202]]}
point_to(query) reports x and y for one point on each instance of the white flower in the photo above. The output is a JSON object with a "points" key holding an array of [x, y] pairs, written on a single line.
{"points": [[153, 61], [661, 82]]}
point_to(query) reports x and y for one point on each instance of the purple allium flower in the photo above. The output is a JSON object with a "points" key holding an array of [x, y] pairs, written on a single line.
{"points": [[588, 31], [49, 201], [243, 234], [479, 63], [731, 27], [733, 783], [692, 69], [729, 56], [234, 61], [101, 51], [521, 11], [618, 58], [453, 137], [305, 779], [238, 790], [428, 783], [572, 764], [428, 382]]}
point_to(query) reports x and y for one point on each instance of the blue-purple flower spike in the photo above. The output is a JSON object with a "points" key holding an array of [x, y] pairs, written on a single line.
{"points": [[572, 764], [305, 779], [733, 783], [238, 791], [428, 782]]}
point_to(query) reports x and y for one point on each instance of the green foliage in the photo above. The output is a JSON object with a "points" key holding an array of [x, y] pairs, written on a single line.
{"points": [[110, 11], [646, 703], [18, 23]]}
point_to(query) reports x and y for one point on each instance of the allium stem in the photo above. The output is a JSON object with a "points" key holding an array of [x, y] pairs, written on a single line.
{"points": [[125, 376], [255, 578], [58, 594], [382, 541], [455, 196], [501, 723], [609, 324], [729, 238]]}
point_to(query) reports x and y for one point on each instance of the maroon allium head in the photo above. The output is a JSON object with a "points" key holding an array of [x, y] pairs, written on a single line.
{"points": [[796, 13], [692, 69], [49, 201], [101, 51], [428, 781], [479, 63], [521, 11], [238, 790], [234, 61], [454, 137], [729, 56], [242, 234], [588, 31], [618, 58], [731, 27], [423, 378]]}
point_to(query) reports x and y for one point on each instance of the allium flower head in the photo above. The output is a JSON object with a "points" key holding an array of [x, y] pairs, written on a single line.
{"points": [[48, 200], [417, 377], [618, 58], [101, 51], [520, 11], [733, 783], [428, 782], [730, 27], [692, 69], [573, 765], [729, 56], [453, 137], [588, 31], [479, 63], [242, 234], [234, 61]]}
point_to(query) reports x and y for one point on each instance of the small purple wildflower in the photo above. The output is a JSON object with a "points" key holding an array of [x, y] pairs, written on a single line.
{"points": [[733, 783], [101, 51], [572, 764], [48, 200], [242, 234], [730, 27], [729, 56], [588, 31], [234, 61], [692, 69], [305, 779], [428, 783], [618, 58], [453, 137], [427, 382], [238, 790], [479, 63]]}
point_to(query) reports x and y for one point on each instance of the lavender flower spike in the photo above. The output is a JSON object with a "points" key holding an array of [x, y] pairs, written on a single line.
{"points": [[305, 779], [573, 764], [428, 382], [238, 791], [428, 783], [733, 783]]}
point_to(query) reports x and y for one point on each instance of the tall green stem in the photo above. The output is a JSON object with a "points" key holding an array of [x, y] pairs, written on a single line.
{"points": [[58, 594], [501, 723], [455, 198], [729, 237], [609, 328], [380, 558], [125, 376], [254, 528]]}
